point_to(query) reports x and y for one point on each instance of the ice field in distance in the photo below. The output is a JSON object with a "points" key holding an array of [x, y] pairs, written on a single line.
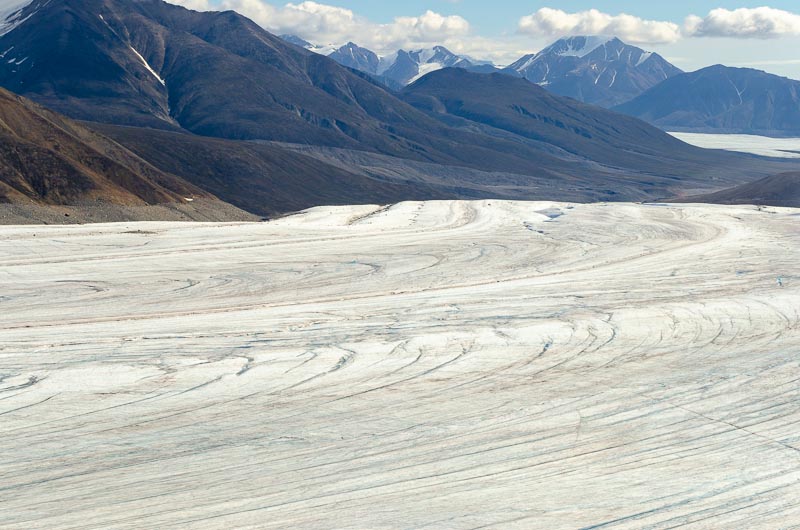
{"points": [[744, 143]]}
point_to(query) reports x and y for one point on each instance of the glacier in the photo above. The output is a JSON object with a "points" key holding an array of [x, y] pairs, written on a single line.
{"points": [[437, 364]]}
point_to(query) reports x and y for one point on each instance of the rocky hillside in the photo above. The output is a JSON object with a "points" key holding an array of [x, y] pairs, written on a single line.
{"points": [[48, 159]]}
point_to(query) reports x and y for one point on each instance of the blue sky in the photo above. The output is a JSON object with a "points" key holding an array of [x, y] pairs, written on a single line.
{"points": [[691, 34]]}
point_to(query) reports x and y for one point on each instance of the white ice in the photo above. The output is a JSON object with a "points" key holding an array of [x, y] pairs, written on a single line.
{"points": [[745, 143], [424, 365], [425, 69]]}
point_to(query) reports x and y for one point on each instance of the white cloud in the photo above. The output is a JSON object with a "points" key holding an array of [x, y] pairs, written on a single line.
{"points": [[197, 5], [759, 22], [324, 24], [327, 24], [304, 19], [429, 26], [555, 23]]}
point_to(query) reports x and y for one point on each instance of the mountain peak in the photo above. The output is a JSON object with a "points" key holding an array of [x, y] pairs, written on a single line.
{"points": [[597, 69], [354, 56], [579, 45], [402, 67]]}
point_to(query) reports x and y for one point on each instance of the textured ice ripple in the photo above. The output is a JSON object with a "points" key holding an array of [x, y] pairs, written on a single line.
{"points": [[424, 365]]}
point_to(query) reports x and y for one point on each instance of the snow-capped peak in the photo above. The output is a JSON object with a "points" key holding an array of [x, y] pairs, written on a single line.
{"points": [[438, 55], [401, 67], [601, 70], [580, 46], [409, 66]]}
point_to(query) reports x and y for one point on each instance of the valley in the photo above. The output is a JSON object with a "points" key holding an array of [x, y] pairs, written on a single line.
{"points": [[309, 266]]}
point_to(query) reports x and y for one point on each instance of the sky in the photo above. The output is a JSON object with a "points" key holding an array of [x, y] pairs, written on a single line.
{"points": [[691, 34]]}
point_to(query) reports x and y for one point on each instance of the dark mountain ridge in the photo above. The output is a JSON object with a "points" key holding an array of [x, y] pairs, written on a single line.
{"points": [[529, 111], [139, 65], [264, 179], [223, 76], [154, 64], [722, 99]]}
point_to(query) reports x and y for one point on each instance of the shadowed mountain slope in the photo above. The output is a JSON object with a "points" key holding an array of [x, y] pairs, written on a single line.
{"points": [[47, 159], [722, 99], [149, 63], [260, 178], [576, 129], [777, 190]]}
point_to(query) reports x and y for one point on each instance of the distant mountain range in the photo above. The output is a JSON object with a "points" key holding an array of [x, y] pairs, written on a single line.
{"points": [[400, 68], [722, 99], [603, 71], [216, 104], [607, 72]]}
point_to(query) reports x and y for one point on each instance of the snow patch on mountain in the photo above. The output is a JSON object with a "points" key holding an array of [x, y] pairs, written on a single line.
{"points": [[387, 61], [149, 68], [326, 49], [582, 46], [426, 55], [645, 56], [11, 15], [425, 69]]}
